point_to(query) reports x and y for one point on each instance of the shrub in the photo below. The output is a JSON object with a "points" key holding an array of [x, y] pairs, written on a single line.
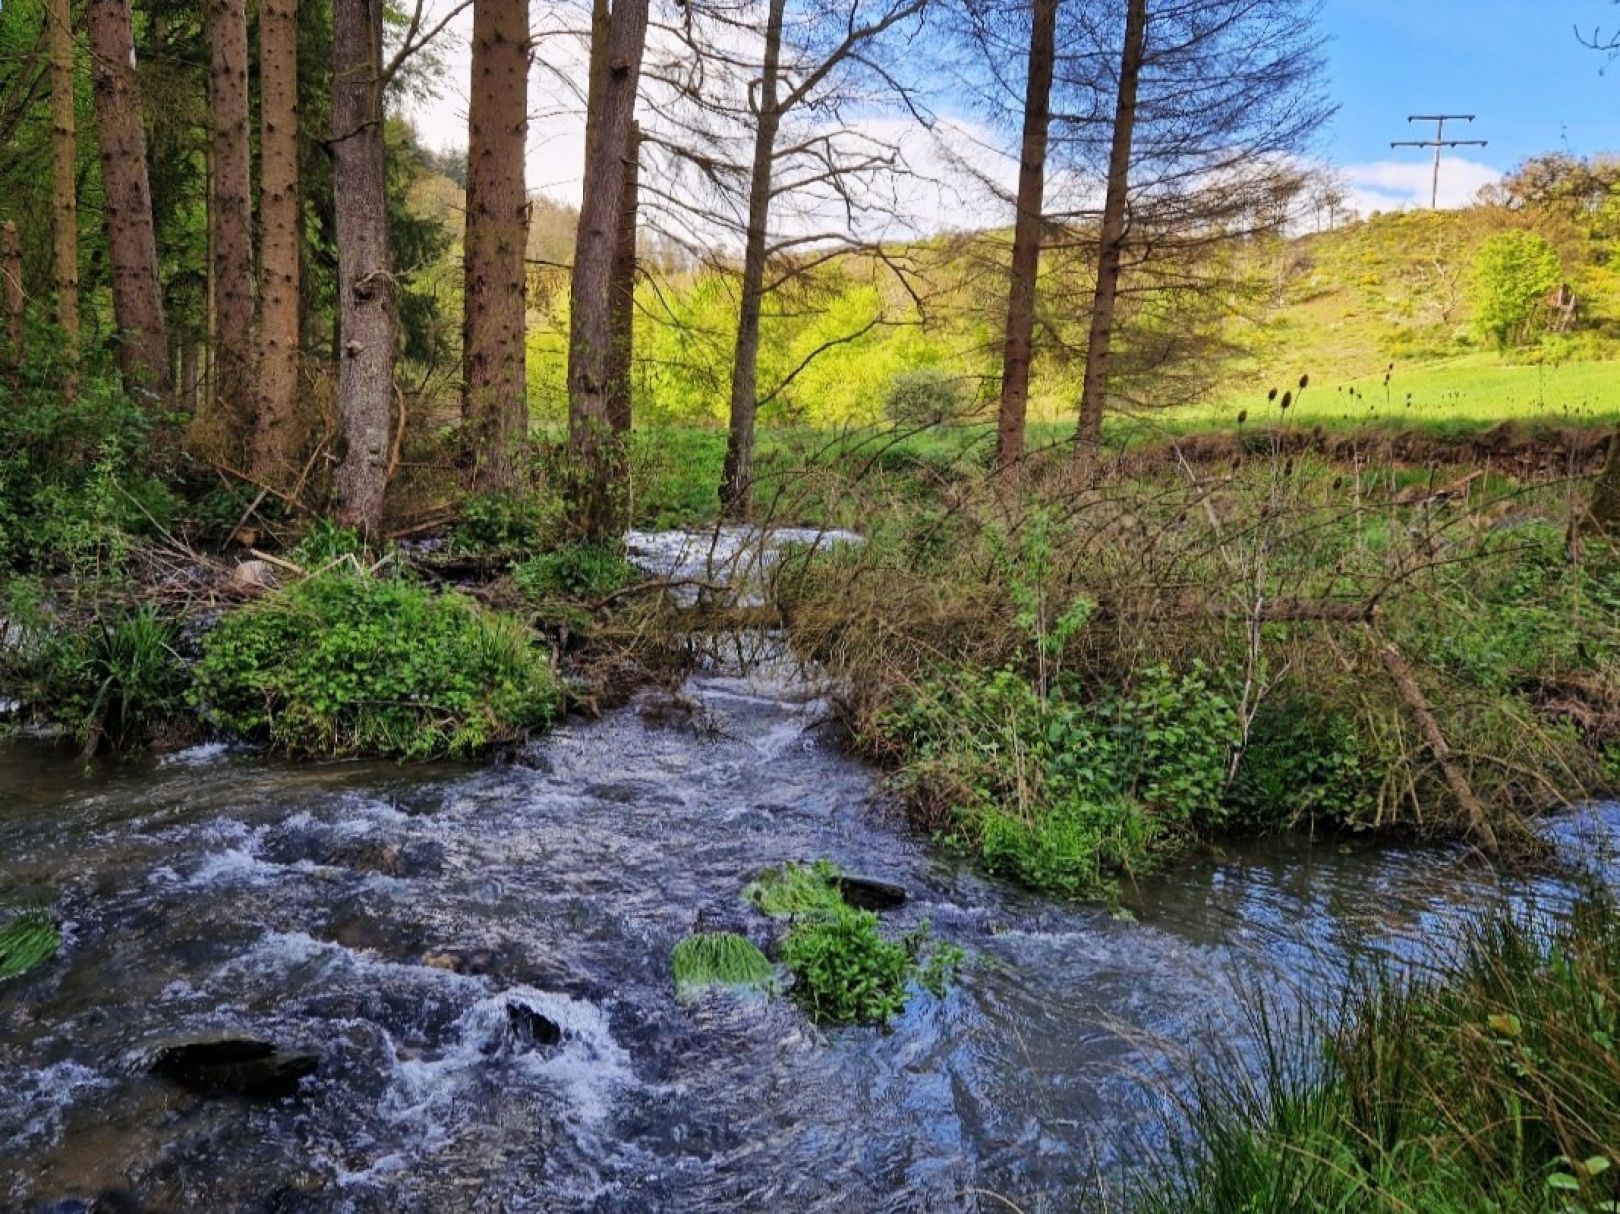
{"points": [[1303, 760], [1513, 273], [719, 959], [343, 664], [575, 571], [924, 397], [1061, 791], [503, 523], [72, 485]]}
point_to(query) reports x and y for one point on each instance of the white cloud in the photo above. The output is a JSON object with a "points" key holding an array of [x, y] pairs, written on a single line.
{"points": [[1395, 185]]}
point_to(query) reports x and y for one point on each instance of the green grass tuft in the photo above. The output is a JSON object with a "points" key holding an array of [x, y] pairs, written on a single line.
{"points": [[720, 959], [797, 889], [28, 941]]}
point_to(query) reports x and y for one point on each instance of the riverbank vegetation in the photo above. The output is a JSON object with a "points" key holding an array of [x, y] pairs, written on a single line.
{"points": [[1487, 1080]]}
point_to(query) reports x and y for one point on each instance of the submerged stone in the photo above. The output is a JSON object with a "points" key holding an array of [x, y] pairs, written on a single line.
{"points": [[867, 893], [234, 1066]]}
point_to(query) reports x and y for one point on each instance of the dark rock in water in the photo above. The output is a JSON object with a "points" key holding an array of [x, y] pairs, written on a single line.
{"points": [[865, 893], [526, 1029], [234, 1066]]}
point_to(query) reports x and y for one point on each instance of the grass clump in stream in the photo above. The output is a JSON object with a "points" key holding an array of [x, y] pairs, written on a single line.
{"points": [[346, 664], [845, 971], [720, 959], [1491, 1084], [27, 942]]}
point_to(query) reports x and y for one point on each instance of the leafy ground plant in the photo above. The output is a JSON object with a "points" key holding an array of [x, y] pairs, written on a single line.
{"points": [[574, 571], [845, 971], [344, 664], [709, 959], [28, 941]]}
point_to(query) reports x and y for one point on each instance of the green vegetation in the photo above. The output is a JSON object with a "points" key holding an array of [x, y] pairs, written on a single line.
{"points": [[1077, 685], [27, 942], [1491, 1083], [720, 959], [1513, 273], [796, 889], [346, 664], [844, 970], [574, 571]]}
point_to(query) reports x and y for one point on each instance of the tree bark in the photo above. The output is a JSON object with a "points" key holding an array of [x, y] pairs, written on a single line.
{"points": [[365, 278], [1111, 245], [137, 294], [64, 172], [11, 273], [737, 479], [1604, 512], [494, 401], [230, 216], [275, 436], [598, 497], [1017, 350], [623, 318]]}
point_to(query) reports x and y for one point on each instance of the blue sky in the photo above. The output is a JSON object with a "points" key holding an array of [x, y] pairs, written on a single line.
{"points": [[1515, 63]]}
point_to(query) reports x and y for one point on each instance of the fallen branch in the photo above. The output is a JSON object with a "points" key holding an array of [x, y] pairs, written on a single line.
{"points": [[657, 584], [1423, 716]]}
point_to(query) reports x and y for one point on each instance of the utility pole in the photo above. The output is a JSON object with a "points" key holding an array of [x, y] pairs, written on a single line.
{"points": [[1438, 143]]}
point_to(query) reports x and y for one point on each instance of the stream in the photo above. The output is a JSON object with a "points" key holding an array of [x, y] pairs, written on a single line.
{"points": [[388, 917]]}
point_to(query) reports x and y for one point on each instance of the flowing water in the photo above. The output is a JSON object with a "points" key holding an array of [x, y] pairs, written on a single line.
{"points": [[389, 917]]}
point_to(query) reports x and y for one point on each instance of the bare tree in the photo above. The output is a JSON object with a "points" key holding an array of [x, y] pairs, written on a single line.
{"points": [[494, 407], [832, 38], [1111, 238], [1212, 100], [1018, 346], [64, 172], [230, 219], [137, 295], [280, 241], [598, 491]]}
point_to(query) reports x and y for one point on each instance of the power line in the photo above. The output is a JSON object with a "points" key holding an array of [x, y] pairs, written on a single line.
{"points": [[1438, 143]]}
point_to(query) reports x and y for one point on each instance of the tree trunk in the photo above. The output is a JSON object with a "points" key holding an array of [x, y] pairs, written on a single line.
{"points": [[275, 438], [1111, 250], [494, 401], [11, 274], [598, 498], [623, 317], [365, 280], [64, 172], [1604, 512], [230, 216], [137, 294], [1026, 253], [737, 479]]}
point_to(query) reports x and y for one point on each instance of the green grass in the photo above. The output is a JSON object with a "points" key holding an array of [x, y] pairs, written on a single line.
{"points": [[710, 959], [1489, 1084], [28, 941], [796, 889]]}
